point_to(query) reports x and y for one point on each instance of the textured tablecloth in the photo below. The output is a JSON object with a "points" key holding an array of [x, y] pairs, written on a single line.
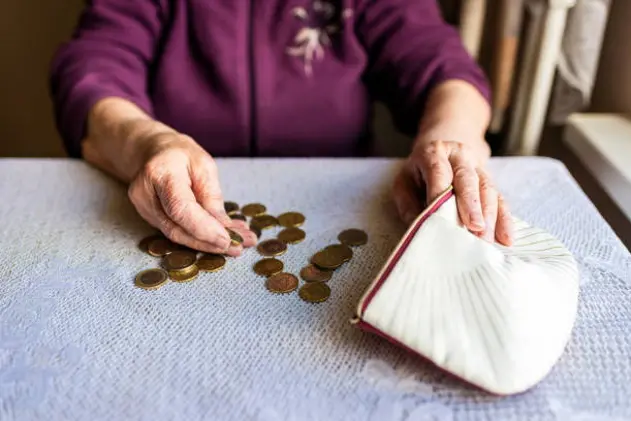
{"points": [[79, 342]]}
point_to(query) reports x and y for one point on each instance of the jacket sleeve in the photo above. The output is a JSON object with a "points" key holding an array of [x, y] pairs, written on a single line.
{"points": [[109, 54], [412, 49]]}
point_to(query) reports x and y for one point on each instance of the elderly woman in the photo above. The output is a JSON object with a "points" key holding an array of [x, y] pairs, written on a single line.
{"points": [[151, 90]]}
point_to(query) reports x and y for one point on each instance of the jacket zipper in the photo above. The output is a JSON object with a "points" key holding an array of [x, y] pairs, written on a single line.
{"points": [[252, 81]]}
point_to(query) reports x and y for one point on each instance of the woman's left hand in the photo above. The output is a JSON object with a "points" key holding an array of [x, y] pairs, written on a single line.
{"points": [[435, 165]]}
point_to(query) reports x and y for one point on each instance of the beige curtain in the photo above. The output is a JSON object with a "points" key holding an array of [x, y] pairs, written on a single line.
{"points": [[578, 62]]}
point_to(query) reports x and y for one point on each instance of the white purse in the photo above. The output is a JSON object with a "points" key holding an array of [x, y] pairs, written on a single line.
{"points": [[497, 317]]}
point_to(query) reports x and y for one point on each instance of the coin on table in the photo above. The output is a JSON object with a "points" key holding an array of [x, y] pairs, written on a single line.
{"points": [[185, 275], [353, 237], [291, 235], [272, 247], [291, 219], [161, 247], [264, 221], [151, 278], [315, 292], [238, 216], [311, 273], [253, 209], [211, 262], [143, 245], [179, 260], [327, 260], [231, 207], [256, 230], [268, 267], [344, 252], [281, 283], [235, 238], [187, 249]]}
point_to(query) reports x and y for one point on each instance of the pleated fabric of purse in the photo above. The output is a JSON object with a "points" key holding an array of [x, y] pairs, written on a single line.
{"points": [[497, 317]]}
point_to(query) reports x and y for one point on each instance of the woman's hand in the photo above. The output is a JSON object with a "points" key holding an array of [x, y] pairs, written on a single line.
{"points": [[435, 165], [177, 191]]}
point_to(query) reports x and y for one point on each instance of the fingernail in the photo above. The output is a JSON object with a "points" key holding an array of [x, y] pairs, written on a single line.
{"points": [[476, 220], [224, 242], [490, 232], [235, 250]]}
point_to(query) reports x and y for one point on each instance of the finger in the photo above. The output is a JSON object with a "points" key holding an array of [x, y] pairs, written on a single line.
{"points": [[249, 238], [150, 209], [207, 190], [467, 189], [180, 205], [504, 231], [176, 234], [238, 224], [406, 197], [488, 198], [436, 170], [243, 229]]}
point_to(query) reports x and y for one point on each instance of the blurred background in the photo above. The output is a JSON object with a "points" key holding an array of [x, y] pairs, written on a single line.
{"points": [[560, 70]]}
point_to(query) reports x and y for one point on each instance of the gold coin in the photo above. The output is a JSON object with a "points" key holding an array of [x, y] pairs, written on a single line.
{"points": [[185, 275], [272, 247], [291, 235], [235, 238], [268, 267], [231, 207], [281, 283], [161, 247], [327, 260], [187, 249], [315, 292], [264, 221], [256, 230], [151, 278], [353, 237], [238, 216], [211, 262], [143, 245], [291, 219], [253, 209], [313, 274], [344, 252], [179, 260]]}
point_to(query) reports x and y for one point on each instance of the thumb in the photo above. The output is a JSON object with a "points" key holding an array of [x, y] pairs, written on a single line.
{"points": [[407, 195], [436, 170], [207, 190]]}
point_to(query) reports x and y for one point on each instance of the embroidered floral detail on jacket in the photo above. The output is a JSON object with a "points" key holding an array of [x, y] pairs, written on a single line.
{"points": [[320, 24]]}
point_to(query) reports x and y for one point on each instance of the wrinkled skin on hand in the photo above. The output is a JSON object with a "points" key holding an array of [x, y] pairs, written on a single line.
{"points": [[177, 191], [435, 165]]}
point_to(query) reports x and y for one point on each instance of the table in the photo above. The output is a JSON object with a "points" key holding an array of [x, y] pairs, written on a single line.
{"points": [[79, 342]]}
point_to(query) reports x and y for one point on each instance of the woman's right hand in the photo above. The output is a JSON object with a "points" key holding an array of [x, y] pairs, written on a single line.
{"points": [[177, 191]]}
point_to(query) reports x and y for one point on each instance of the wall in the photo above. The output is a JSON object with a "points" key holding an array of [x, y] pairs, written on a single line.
{"points": [[612, 89], [30, 31]]}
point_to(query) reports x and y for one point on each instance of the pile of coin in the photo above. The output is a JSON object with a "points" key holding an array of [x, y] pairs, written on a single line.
{"points": [[325, 262], [181, 264], [270, 266]]}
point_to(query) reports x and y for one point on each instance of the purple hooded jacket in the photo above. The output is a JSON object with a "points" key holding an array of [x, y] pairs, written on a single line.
{"points": [[259, 77]]}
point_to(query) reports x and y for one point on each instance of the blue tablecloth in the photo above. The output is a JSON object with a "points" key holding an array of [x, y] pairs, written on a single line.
{"points": [[78, 341]]}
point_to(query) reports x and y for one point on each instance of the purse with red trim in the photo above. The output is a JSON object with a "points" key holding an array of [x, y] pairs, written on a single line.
{"points": [[497, 317]]}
